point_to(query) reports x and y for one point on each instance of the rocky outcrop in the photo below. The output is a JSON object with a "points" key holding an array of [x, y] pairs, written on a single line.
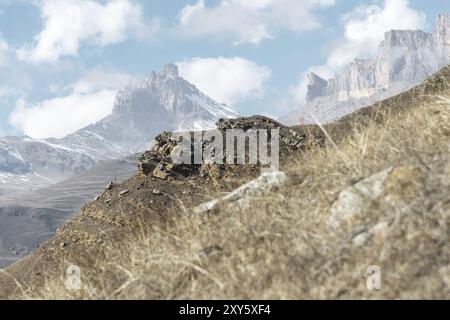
{"points": [[317, 87], [242, 196], [357, 198], [394, 185], [159, 163]]}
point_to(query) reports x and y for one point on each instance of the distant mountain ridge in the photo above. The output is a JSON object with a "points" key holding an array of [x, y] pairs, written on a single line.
{"points": [[44, 182], [162, 102], [404, 59]]}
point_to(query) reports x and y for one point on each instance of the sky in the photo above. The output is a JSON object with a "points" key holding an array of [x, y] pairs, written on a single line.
{"points": [[63, 61]]}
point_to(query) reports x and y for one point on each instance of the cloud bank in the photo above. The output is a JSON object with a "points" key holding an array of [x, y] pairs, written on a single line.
{"points": [[67, 24], [91, 99], [227, 80], [250, 21], [4, 49]]}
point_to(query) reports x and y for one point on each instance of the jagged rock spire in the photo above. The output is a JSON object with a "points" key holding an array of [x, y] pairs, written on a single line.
{"points": [[170, 70], [317, 87]]}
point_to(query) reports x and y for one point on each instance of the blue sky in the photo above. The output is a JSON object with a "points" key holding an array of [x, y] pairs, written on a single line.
{"points": [[62, 61]]}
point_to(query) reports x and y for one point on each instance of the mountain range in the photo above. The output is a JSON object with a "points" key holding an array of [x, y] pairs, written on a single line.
{"points": [[404, 59], [162, 102], [44, 182]]}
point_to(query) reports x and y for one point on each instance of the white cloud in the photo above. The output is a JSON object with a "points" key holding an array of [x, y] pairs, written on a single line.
{"points": [[100, 79], [4, 49], [69, 23], [249, 21], [227, 80], [90, 100], [6, 91], [60, 116], [364, 30]]}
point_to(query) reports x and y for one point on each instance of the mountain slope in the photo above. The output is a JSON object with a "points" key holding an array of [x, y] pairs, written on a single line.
{"points": [[373, 196], [27, 219]]}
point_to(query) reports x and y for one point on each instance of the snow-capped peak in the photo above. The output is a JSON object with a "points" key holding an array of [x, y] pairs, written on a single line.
{"points": [[162, 102]]}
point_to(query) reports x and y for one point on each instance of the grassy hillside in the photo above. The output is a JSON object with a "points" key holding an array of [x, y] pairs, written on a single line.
{"points": [[375, 193]]}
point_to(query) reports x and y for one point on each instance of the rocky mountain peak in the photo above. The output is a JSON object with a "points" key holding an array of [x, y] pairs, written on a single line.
{"points": [[144, 95], [164, 101], [167, 92], [317, 86], [411, 39], [170, 70]]}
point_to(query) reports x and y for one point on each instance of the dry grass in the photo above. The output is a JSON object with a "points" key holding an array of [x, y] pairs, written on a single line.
{"points": [[283, 246]]}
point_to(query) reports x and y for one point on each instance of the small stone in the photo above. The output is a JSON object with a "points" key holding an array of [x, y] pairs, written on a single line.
{"points": [[140, 186], [162, 171], [378, 232], [214, 249], [445, 274], [361, 239], [63, 244], [355, 199], [124, 192], [156, 192]]}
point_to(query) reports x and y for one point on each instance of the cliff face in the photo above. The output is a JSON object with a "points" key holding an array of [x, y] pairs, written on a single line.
{"points": [[442, 32], [404, 59], [317, 86], [405, 56]]}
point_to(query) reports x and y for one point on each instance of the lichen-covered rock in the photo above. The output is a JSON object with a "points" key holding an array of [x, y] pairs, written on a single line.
{"points": [[163, 170], [355, 199], [290, 140], [159, 163], [392, 186]]}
